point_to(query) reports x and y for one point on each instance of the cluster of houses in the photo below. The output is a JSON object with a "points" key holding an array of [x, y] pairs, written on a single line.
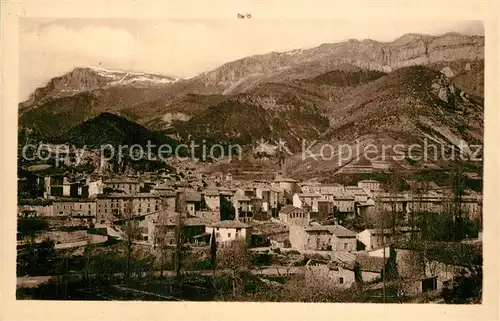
{"points": [[281, 213], [108, 200]]}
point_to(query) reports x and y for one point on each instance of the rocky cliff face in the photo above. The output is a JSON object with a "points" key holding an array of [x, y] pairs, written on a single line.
{"points": [[333, 91], [409, 50], [87, 79], [247, 73], [78, 80]]}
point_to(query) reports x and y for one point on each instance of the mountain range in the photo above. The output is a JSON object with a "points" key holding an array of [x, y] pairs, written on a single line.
{"points": [[415, 87]]}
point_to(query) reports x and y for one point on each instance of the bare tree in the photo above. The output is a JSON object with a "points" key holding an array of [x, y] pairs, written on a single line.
{"points": [[163, 239], [457, 189], [163, 236], [178, 235], [234, 257], [88, 254], [131, 232], [417, 190]]}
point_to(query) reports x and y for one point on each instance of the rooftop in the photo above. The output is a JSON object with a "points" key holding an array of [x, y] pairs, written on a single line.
{"points": [[75, 200], [120, 181], [309, 195], [337, 230], [211, 192], [289, 208], [229, 224], [193, 197], [168, 218], [268, 228], [371, 263], [124, 195], [285, 180], [163, 187], [182, 184], [243, 198]]}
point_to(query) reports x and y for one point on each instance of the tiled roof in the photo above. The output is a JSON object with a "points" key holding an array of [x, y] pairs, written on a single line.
{"points": [[193, 197], [243, 198], [124, 195], [286, 180], [194, 221], [74, 200], [211, 192], [163, 187], [269, 228], [309, 195], [317, 228], [340, 231], [229, 224], [345, 257], [120, 181], [379, 231], [336, 230], [371, 263], [290, 208]]}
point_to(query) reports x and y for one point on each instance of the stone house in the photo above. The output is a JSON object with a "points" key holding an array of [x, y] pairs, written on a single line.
{"points": [[125, 185], [193, 202], [228, 231], [117, 206], [212, 199], [374, 238], [322, 238], [371, 267], [163, 227], [329, 273], [370, 185], [307, 201], [290, 214]]}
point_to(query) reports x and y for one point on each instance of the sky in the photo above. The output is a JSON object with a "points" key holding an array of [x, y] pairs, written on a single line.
{"points": [[185, 48]]}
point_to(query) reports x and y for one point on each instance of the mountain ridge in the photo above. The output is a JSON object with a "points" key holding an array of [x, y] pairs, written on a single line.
{"points": [[329, 93], [409, 49]]}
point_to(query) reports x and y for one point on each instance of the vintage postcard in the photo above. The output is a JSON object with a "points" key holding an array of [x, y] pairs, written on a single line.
{"points": [[243, 155]]}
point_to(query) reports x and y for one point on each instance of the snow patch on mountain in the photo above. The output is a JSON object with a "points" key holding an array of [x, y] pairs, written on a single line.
{"points": [[121, 78]]}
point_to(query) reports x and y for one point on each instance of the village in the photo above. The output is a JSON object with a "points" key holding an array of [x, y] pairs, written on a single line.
{"points": [[341, 236]]}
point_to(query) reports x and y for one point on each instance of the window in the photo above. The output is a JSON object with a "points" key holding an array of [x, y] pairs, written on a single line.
{"points": [[341, 280], [345, 246], [228, 234]]}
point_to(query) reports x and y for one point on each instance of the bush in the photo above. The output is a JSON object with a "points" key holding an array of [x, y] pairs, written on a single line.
{"points": [[37, 259]]}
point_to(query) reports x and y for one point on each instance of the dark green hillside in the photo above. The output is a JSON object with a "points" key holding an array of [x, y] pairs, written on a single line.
{"points": [[108, 128]]}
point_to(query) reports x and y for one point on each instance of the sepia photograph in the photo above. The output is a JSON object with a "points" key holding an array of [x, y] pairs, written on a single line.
{"points": [[250, 160]]}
